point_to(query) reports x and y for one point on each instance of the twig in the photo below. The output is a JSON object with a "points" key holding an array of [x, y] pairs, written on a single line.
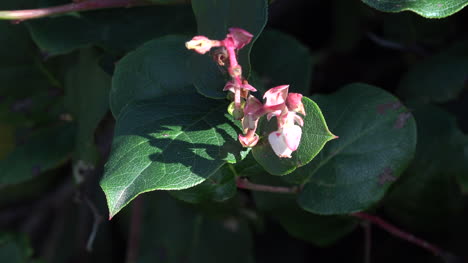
{"points": [[97, 221], [133, 245], [400, 233], [246, 184], [395, 45], [80, 5]]}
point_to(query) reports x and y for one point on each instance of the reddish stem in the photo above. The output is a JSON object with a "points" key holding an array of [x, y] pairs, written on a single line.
{"points": [[399, 233], [234, 70], [21, 15], [246, 184]]}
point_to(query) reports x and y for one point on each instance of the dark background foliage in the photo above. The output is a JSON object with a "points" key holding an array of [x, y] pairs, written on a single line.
{"points": [[54, 71]]}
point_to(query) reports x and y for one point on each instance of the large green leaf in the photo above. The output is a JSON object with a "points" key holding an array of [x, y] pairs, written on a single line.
{"points": [[43, 150], [426, 8], [116, 29], [280, 59], [169, 143], [377, 141], [439, 78], [317, 229], [87, 98], [173, 233], [157, 68], [428, 198], [315, 134], [214, 18]]}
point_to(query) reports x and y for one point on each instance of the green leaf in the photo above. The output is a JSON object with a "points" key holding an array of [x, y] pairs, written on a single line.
{"points": [[173, 233], [280, 59], [87, 98], [45, 149], [439, 78], [428, 197], [214, 18], [425, 8], [155, 69], [117, 29], [377, 141], [315, 134], [219, 187], [316, 229], [169, 143]]}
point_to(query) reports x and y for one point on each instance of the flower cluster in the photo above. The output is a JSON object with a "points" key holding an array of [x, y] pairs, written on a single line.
{"points": [[278, 102]]}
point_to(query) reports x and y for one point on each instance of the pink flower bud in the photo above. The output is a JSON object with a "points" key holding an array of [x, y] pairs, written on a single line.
{"points": [[294, 103], [248, 140], [201, 44], [240, 37], [252, 111]]}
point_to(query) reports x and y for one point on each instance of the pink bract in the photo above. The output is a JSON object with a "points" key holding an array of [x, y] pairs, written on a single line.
{"points": [[240, 37]]}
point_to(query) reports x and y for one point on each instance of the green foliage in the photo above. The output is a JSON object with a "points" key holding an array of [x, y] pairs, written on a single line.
{"points": [[425, 8], [429, 189], [115, 30], [315, 134], [86, 97], [214, 18], [156, 69], [219, 187], [377, 141], [174, 233], [317, 229], [15, 248], [37, 153], [439, 78], [280, 59], [60, 75], [172, 142]]}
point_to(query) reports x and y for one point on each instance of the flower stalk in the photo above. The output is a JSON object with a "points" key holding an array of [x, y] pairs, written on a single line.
{"points": [[249, 109]]}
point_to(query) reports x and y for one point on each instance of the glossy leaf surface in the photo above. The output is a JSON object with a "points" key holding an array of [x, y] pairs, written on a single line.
{"points": [[426, 8], [377, 141], [169, 143]]}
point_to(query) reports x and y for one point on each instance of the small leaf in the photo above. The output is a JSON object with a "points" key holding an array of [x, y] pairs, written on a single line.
{"points": [[169, 143], [315, 134], [45, 149], [280, 59], [439, 78], [174, 233], [426, 8], [155, 69], [214, 18], [377, 141], [428, 198], [87, 98], [115, 29], [218, 188]]}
